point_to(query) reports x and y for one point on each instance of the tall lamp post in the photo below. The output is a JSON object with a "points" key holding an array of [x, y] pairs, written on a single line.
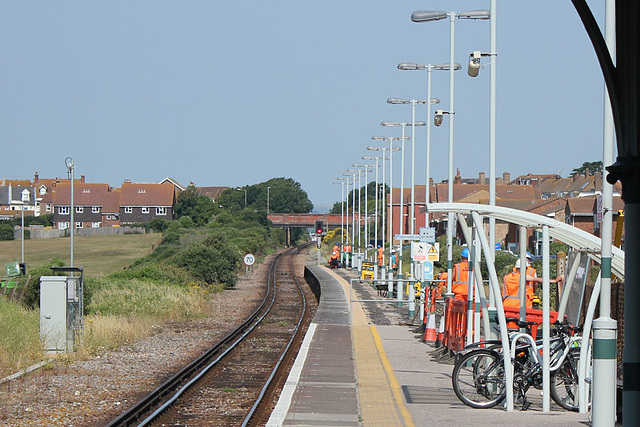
{"points": [[429, 68], [268, 188], [391, 150], [245, 195], [366, 170], [375, 215], [70, 171], [384, 157], [342, 232], [413, 125], [353, 212], [428, 16]]}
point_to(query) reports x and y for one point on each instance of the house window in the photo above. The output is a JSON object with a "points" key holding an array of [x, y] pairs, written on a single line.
{"points": [[79, 224], [48, 207], [142, 191], [79, 209], [128, 209], [86, 190], [63, 225], [95, 225], [95, 209], [161, 210], [108, 217], [145, 209], [63, 210]]}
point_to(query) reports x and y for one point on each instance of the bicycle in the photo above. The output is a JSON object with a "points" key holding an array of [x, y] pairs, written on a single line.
{"points": [[478, 375]]}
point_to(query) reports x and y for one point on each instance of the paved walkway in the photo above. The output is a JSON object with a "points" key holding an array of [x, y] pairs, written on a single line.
{"points": [[382, 376]]}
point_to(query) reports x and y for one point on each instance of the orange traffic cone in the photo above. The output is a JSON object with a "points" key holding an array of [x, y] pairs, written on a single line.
{"points": [[430, 334]]}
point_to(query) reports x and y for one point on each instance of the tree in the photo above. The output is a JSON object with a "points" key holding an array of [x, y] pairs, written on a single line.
{"points": [[587, 169], [194, 205], [285, 196]]}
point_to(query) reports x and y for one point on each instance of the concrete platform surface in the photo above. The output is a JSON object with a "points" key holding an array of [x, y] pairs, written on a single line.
{"points": [[350, 372]]}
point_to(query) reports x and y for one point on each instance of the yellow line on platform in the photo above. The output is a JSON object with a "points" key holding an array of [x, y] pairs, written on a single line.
{"points": [[379, 402]]}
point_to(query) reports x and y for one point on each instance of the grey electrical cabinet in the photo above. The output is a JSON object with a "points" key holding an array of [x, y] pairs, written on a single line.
{"points": [[53, 313], [61, 309]]}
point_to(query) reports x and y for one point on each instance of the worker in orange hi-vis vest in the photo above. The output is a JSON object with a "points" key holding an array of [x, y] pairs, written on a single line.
{"points": [[348, 255], [442, 285], [380, 256], [335, 256], [511, 286], [460, 276]]}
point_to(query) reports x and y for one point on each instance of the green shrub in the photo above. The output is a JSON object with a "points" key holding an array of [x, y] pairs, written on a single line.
{"points": [[31, 296], [6, 231]]}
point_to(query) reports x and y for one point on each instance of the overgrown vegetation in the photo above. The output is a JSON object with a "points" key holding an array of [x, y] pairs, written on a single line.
{"points": [[199, 254]]}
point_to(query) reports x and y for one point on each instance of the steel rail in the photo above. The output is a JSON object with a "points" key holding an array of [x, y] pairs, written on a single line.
{"points": [[284, 352], [133, 414]]}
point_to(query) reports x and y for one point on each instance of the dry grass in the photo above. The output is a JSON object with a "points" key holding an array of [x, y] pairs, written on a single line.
{"points": [[98, 255]]}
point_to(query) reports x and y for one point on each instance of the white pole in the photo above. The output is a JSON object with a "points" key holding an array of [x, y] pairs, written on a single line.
{"points": [[450, 230], [366, 212], [492, 132], [546, 333], [412, 226], [605, 328], [402, 227], [375, 238], [428, 166]]}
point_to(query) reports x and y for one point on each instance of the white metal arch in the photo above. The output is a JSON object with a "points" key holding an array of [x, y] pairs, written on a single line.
{"points": [[579, 239]]}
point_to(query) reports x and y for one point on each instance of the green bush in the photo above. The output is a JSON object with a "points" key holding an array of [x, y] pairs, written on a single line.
{"points": [[6, 231], [157, 224], [31, 296]]}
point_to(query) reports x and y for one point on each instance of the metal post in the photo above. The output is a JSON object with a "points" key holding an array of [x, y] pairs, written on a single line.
{"points": [[428, 166], [546, 333], [522, 287], [450, 229], [402, 228], [492, 132], [603, 408]]}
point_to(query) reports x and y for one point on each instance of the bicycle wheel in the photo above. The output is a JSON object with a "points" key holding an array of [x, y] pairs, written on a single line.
{"points": [[564, 383], [478, 379]]}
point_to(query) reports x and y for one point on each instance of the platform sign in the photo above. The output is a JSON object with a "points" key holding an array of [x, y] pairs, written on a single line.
{"points": [[433, 254], [407, 237], [419, 251], [428, 234], [427, 270]]}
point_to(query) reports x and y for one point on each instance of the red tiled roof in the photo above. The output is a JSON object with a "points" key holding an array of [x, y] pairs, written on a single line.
{"points": [[83, 194], [147, 194]]}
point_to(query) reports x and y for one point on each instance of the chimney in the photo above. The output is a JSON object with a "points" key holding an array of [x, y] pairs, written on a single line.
{"points": [[35, 178], [481, 179], [458, 179], [82, 178], [506, 177], [597, 182]]}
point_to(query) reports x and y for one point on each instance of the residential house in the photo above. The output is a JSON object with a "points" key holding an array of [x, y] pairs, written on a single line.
{"points": [[144, 202], [88, 203], [14, 199], [212, 192]]}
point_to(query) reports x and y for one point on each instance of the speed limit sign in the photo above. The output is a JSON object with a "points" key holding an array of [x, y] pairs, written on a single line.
{"points": [[249, 259]]}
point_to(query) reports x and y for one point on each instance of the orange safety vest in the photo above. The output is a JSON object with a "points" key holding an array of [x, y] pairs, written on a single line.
{"points": [[348, 248], [460, 280], [335, 253], [442, 286], [511, 288]]}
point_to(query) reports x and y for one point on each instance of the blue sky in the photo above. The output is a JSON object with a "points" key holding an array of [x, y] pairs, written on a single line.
{"points": [[234, 93]]}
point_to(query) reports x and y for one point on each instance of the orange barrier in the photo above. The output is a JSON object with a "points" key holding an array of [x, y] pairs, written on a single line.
{"points": [[455, 324], [533, 315]]}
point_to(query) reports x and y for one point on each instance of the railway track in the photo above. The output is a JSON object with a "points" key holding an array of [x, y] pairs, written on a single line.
{"points": [[235, 382]]}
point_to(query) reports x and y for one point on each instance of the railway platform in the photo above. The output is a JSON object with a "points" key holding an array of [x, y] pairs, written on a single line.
{"points": [[361, 372]]}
